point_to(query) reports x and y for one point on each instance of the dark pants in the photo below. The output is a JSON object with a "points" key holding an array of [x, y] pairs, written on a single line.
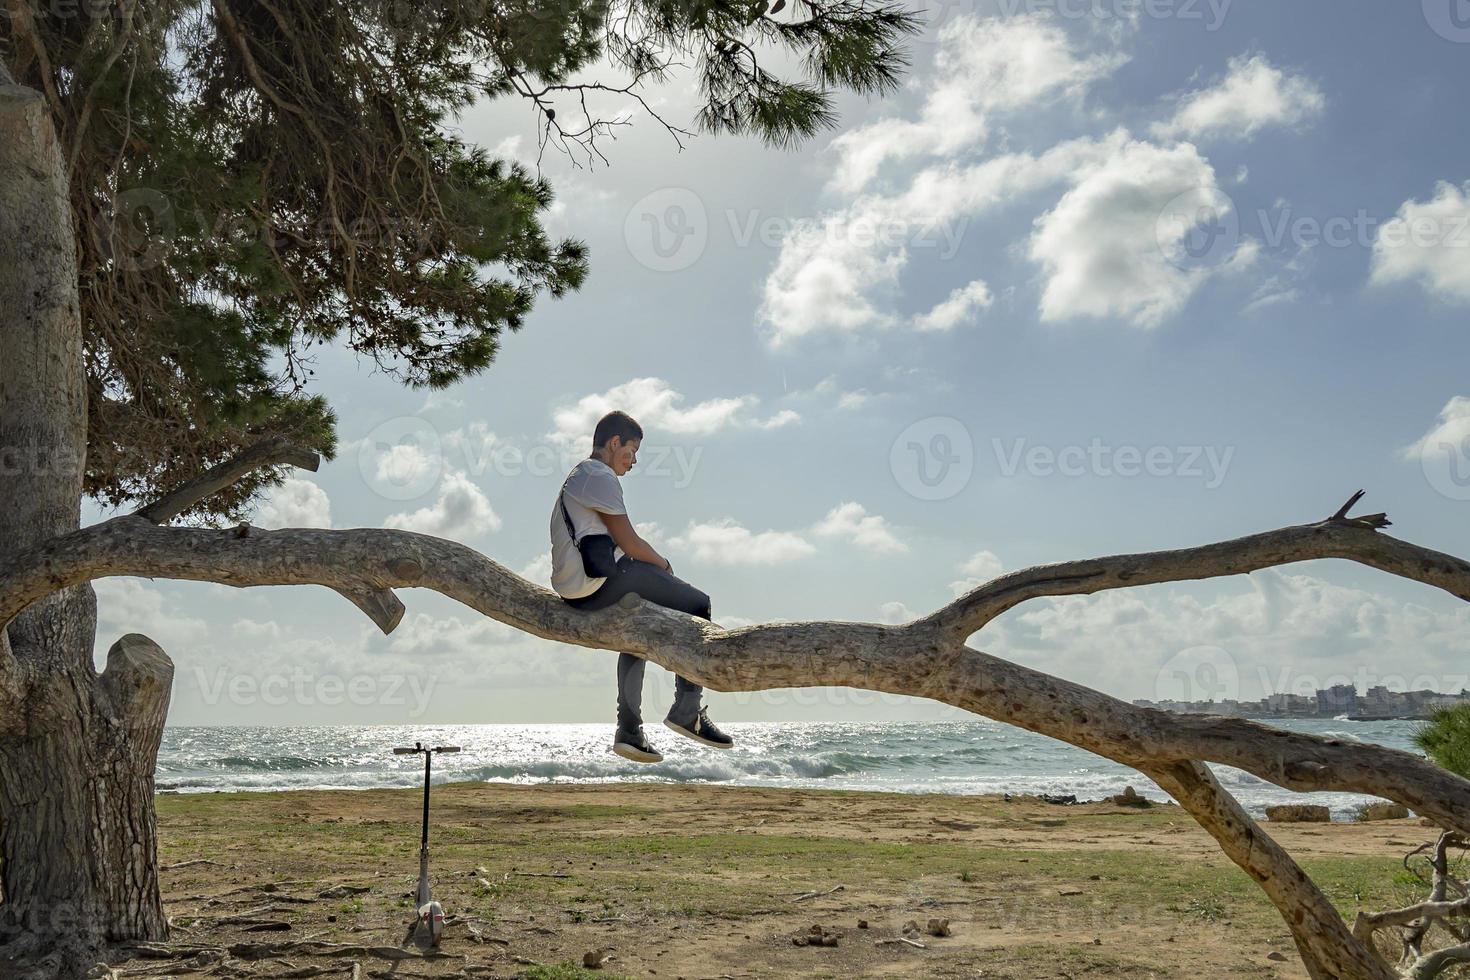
{"points": [[662, 588]]}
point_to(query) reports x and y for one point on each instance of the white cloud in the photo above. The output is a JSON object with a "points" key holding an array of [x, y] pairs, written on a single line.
{"points": [[1253, 95], [404, 464], [784, 417], [1103, 247], [852, 522], [651, 531], [1282, 634], [895, 614], [960, 307], [423, 634], [461, 511], [295, 503], [977, 569], [852, 400], [538, 570], [984, 66], [984, 564], [725, 542], [508, 147], [1428, 243], [1447, 436], [658, 407], [832, 271], [130, 605]]}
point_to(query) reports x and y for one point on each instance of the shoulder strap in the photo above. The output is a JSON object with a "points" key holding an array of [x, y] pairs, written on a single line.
{"points": [[561, 501]]}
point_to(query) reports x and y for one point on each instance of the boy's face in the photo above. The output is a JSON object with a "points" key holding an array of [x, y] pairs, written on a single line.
{"points": [[622, 455]]}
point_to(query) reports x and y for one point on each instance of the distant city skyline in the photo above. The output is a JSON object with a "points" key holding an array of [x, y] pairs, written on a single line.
{"points": [[1341, 700]]}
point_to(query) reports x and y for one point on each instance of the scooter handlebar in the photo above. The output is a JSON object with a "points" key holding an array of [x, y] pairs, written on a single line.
{"points": [[412, 751], [447, 748]]}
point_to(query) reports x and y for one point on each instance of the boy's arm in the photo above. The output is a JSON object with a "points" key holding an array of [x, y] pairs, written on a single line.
{"points": [[627, 538]]}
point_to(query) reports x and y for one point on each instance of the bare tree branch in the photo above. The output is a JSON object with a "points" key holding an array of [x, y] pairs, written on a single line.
{"points": [[1417, 921], [1337, 537], [1321, 936], [380, 605], [926, 658], [916, 659], [272, 452], [1430, 966]]}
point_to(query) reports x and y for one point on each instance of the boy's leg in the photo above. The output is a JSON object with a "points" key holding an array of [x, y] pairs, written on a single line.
{"points": [[630, 692], [662, 588]]}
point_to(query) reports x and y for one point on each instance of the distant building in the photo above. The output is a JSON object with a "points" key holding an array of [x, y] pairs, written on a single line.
{"points": [[1333, 702], [1339, 699]]}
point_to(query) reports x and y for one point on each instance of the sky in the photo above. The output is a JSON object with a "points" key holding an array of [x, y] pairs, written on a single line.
{"points": [[1104, 276]]}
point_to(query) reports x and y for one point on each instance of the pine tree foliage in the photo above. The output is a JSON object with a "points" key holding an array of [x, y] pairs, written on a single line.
{"points": [[1446, 738], [254, 178]]}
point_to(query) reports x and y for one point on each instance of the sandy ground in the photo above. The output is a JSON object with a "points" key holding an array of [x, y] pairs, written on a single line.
{"points": [[687, 882]]}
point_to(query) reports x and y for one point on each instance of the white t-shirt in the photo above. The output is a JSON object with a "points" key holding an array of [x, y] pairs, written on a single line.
{"points": [[592, 488]]}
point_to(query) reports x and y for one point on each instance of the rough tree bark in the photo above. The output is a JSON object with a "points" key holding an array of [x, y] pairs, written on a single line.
{"points": [[928, 658], [76, 764]]}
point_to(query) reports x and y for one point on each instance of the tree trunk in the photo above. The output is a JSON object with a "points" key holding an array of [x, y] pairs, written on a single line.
{"points": [[77, 750]]}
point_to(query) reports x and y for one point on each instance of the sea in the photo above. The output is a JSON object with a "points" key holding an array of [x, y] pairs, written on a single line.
{"points": [[962, 757]]}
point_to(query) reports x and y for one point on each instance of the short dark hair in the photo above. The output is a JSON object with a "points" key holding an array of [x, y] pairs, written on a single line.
{"points": [[619, 424]]}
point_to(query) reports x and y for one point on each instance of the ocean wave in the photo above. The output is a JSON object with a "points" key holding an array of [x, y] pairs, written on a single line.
{"points": [[950, 757]]}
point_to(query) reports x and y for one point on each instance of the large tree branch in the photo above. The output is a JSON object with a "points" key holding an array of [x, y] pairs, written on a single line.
{"points": [[1433, 964], [1322, 938], [1339, 536], [380, 605], [926, 658], [272, 452], [917, 659]]}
